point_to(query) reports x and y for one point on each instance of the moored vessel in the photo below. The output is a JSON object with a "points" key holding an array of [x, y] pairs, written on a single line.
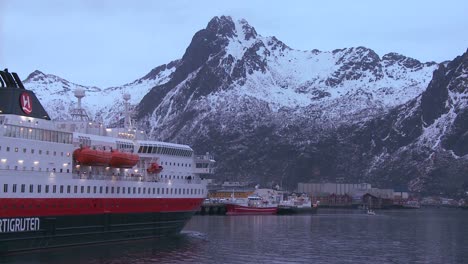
{"points": [[262, 202], [297, 205], [77, 182]]}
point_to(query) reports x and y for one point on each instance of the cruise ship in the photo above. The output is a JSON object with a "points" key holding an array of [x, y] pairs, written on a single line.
{"points": [[75, 182]]}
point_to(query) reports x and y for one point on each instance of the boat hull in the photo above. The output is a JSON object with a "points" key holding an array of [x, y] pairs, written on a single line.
{"points": [[61, 231], [71, 222], [286, 210], [235, 209]]}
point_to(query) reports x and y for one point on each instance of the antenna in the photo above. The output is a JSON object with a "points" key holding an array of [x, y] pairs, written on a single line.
{"points": [[127, 123]]}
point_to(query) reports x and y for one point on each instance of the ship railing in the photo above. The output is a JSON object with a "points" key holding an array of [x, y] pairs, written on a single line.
{"points": [[133, 178]]}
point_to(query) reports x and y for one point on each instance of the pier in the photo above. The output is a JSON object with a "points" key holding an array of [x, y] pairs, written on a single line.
{"points": [[212, 209]]}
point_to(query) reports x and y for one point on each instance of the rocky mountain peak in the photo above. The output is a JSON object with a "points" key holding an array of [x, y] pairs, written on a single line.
{"points": [[222, 26], [35, 75], [395, 58], [436, 101], [248, 30], [457, 71]]}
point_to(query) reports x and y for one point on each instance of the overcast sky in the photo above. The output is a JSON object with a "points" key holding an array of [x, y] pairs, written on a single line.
{"points": [[112, 42]]}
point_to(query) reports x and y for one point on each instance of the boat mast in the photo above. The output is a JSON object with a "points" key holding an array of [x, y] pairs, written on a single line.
{"points": [[127, 121]]}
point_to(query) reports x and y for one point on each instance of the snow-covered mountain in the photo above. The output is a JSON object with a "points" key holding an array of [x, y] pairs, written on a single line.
{"points": [[271, 113], [57, 94]]}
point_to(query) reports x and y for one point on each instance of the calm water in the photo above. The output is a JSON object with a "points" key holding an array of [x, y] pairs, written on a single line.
{"points": [[332, 236]]}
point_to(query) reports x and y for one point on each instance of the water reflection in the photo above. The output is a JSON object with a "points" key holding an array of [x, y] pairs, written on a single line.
{"points": [[332, 236]]}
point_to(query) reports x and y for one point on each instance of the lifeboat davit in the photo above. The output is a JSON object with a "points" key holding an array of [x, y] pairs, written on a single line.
{"points": [[92, 157], [154, 168], [123, 159]]}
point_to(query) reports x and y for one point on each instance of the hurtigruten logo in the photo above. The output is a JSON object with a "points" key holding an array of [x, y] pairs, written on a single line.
{"points": [[10, 225], [25, 102]]}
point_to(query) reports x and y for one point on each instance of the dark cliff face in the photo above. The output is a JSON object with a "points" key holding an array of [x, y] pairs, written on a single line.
{"points": [[433, 100], [457, 137]]}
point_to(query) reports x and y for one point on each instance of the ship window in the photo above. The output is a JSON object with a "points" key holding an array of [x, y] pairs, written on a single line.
{"points": [[5, 187], [75, 189], [144, 190], [157, 190], [107, 189], [82, 189], [7, 148], [40, 152], [118, 189], [54, 189], [14, 188], [16, 149], [24, 150], [112, 189], [100, 189], [61, 188], [94, 189], [88, 189], [23, 187], [154, 190], [31, 188], [32, 151], [123, 190], [39, 188], [68, 188], [47, 188], [55, 153], [139, 190], [134, 189]]}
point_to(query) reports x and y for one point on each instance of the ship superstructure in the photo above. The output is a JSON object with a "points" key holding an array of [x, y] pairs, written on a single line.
{"points": [[76, 182]]}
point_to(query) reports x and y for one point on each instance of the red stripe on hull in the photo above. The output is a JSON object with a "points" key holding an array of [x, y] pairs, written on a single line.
{"points": [[24, 207], [234, 209]]}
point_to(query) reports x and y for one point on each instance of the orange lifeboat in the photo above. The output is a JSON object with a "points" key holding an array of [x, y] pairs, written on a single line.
{"points": [[92, 157], [154, 168], [123, 160]]}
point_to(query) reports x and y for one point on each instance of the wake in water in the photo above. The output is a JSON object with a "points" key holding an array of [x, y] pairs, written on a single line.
{"points": [[194, 235]]}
